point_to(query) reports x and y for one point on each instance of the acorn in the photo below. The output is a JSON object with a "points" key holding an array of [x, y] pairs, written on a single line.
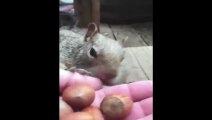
{"points": [[116, 106], [79, 96]]}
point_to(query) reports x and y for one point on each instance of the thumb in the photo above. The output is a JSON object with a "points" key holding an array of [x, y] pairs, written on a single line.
{"points": [[68, 78]]}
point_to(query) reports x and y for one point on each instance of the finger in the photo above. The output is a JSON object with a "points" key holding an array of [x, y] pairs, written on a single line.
{"points": [[64, 108], [137, 91], [141, 109], [147, 105], [68, 78], [149, 117], [141, 90], [78, 78]]}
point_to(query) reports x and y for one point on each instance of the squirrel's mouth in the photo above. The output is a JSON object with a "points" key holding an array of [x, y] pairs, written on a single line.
{"points": [[107, 80], [106, 76]]}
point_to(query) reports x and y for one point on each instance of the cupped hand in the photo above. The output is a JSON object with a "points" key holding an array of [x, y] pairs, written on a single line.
{"points": [[140, 92]]}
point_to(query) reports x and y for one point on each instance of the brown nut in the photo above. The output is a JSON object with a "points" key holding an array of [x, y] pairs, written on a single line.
{"points": [[116, 107], [79, 96]]}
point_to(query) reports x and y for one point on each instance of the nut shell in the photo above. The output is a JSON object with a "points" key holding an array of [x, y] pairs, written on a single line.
{"points": [[79, 96], [116, 107]]}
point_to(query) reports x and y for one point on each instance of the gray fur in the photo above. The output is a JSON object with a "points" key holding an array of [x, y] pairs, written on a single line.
{"points": [[74, 53]]}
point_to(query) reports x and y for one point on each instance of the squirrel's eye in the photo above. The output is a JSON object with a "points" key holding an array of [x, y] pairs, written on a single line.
{"points": [[93, 52]]}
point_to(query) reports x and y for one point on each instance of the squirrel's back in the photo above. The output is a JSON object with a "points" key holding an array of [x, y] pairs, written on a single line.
{"points": [[70, 44]]}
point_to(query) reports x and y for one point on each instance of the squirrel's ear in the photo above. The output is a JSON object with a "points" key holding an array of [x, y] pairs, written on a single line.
{"points": [[92, 30]]}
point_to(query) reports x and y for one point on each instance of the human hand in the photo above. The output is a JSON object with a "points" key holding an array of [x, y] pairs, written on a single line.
{"points": [[140, 92]]}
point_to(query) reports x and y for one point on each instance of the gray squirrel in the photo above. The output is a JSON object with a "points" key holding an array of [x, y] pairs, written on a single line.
{"points": [[92, 54]]}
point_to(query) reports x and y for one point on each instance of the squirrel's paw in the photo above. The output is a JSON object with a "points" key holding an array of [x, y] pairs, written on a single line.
{"points": [[62, 66], [80, 71]]}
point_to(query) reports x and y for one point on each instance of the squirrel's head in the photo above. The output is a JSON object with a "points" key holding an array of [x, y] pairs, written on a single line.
{"points": [[104, 54]]}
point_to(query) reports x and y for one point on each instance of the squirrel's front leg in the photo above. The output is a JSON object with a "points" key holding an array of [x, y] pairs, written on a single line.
{"points": [[80, 71], [62, 66]]}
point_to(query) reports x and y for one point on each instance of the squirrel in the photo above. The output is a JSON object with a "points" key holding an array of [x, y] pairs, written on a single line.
{"points": [[91, 54]]}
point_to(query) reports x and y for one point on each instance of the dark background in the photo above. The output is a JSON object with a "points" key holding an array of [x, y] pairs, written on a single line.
{"points": [[126, 11]]}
